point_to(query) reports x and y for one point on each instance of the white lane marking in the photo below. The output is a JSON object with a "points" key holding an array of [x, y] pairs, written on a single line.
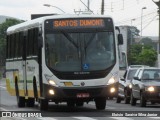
{"points": [[84, 118], [3, 109], [1, 86], [121, 118], [107, 107], [47, 118]]}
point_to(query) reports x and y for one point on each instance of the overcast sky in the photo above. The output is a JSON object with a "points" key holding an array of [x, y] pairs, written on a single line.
{"points": [[124, 12]]}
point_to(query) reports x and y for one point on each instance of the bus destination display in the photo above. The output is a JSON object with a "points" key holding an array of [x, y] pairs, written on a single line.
{"points": [[78, 23]]}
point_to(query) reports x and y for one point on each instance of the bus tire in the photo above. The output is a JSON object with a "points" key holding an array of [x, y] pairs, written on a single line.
{"points": [[79, 103], [20, 100], [100, 103], [70, 103], [30, 102], [35, 91], [43, 104]]}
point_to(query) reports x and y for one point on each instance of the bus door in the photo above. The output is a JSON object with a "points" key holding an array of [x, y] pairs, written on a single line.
{"points": [[24, 64]]}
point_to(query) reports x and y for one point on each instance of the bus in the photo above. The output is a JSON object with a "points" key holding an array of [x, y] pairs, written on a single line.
{"points": [[62, 58]]}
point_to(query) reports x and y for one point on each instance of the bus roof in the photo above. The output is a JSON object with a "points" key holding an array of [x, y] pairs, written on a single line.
{"points": [[39, 21]]}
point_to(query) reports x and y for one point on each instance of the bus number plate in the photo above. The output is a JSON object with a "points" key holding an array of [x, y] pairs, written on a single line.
{"points": [[83, 95]]}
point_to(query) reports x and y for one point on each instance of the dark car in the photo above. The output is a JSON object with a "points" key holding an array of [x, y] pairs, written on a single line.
{"points": [[146, 86], [124, 88]]}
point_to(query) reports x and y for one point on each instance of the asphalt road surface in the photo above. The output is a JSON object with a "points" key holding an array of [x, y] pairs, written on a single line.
{"points": [[113, 111]]}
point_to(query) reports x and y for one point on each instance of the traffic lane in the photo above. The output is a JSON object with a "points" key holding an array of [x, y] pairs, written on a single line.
{"points": [[10, 102], [88, 112]]}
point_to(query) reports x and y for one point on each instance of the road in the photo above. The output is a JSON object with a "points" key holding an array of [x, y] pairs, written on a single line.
{"points": [[87, 112]]}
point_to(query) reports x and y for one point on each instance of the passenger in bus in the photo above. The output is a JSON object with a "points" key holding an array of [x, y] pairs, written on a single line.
{"points": [[100, 47], [99, 52], [70, 52]]}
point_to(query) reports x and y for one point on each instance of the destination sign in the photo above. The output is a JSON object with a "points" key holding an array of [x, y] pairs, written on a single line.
{"points": [[78, 23]]}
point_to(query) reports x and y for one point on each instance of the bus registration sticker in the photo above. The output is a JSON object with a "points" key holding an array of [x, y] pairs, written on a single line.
{"points": [[83, 95]]}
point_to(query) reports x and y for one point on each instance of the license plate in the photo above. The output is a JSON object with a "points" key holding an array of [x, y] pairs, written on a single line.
{"points": [[68, 84], [83, 95]]}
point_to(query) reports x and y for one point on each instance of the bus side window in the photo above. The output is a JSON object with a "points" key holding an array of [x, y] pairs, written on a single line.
{"points": [[8, 47], [16, 44], [20, 44], [12, 41], [32, 42], [28, 43], [35, 41]]}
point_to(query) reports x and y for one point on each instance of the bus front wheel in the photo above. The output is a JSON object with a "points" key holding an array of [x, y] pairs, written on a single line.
{"points": [[100, 103], [43, 104], [30, 102]]}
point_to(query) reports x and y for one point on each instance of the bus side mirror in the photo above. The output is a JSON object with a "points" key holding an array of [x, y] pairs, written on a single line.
{"points": [[120, 39]]}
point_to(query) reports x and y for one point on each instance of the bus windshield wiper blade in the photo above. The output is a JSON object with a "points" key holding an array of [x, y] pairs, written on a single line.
{"points": [[70, 39], [90, 40]]}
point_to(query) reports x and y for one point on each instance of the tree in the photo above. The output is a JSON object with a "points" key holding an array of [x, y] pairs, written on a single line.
{"points": [[142, 54], [147, 57], [146, 41], [3, 28]]}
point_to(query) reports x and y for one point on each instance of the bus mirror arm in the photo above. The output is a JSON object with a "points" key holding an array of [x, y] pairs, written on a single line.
{"points": [[120, 39]]}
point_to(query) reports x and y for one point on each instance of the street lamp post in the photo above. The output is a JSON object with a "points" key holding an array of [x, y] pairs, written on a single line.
{"points": [[141, 18], [48, 5], [157, 2]]}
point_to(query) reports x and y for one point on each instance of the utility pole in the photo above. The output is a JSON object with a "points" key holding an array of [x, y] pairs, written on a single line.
{"points": [[102, 8]]}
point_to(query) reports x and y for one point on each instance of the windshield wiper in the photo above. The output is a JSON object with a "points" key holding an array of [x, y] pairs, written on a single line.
{"points": [[70, 39], [90, 40]]}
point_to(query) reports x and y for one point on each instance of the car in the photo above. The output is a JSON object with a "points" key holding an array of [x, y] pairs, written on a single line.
{"points": [[124, 87], [146, 86], [137, 66]]}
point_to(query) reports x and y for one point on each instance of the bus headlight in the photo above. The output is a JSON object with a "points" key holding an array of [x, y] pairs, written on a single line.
{"points": [[130, 86], [112, 90], [111, 80], [51, 82], [51, 92], [150, 89]]}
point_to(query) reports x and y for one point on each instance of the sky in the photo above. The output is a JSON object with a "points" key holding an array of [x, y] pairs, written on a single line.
{"points": [[124, 12]]}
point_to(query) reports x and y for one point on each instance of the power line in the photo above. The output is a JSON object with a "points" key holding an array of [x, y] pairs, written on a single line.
{"points": [[86, 6], [150, 22]]}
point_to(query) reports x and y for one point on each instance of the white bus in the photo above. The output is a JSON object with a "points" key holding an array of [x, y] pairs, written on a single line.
{"points": [[62, 58]]}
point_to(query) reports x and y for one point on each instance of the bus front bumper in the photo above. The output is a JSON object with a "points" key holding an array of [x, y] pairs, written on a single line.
{"points": [[64, 93]]}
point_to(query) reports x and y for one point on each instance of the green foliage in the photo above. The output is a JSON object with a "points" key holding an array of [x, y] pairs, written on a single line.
{"points": [[146, 41], [3, 28], [142, 54]]}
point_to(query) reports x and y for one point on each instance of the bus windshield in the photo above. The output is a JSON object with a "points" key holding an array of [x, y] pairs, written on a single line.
{"points": [[79, 51]]}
